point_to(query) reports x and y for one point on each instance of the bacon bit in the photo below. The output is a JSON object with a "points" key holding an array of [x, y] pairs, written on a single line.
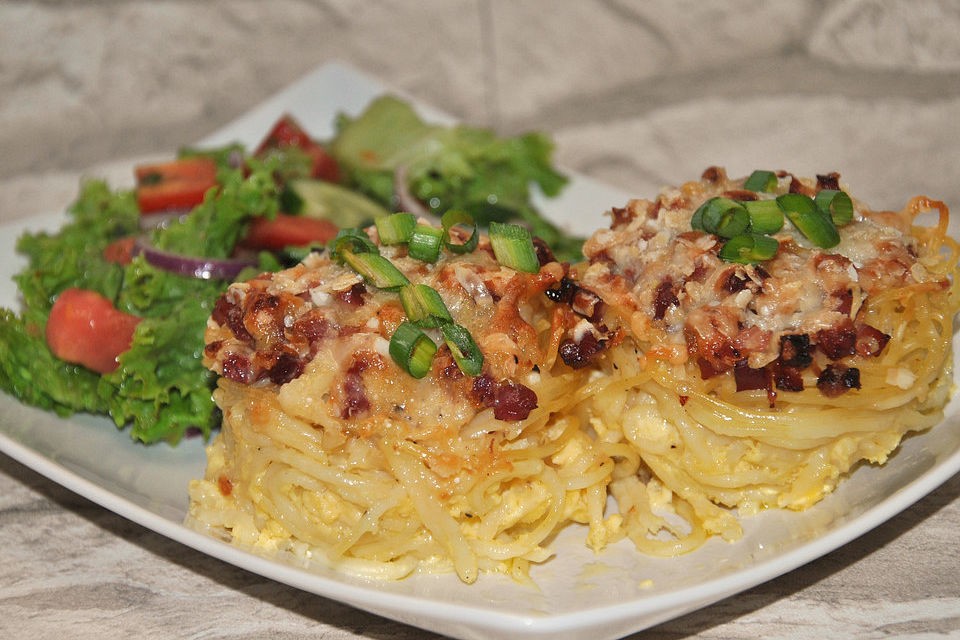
{"points": [[212, 349], [700, 271], [870, 341], [225, 313], [513, 401], [264, 315], [788, 379], [353, 296], [484, 390], [224, 484], [749, 379], [665, 298], [586, 303], [713, 174], [312, 326], [741, 195], [828, 181], [287, 368], [236, 368], [653, 211], [734, 283], [761, 272], [621, 216], [839, 341], [579, 354], [752, 340], [683, 400], [544, 254], [795, 351], [844, 301], [837, 379], [711, 368], [798, 187]]}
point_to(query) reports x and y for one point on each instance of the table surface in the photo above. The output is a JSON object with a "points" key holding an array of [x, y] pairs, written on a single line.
{"points": [[818, 98]]}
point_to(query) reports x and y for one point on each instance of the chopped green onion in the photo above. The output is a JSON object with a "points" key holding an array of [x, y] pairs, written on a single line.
{"points": [[749, 248], [812, 223], [376, 270], [424, 306], [425, 243], [412, 349], [765, 216], [354, 241], [395, 228], [464, 350], [761, 181], [513, 247], [836, 204], [721, 216], [455, 217]]}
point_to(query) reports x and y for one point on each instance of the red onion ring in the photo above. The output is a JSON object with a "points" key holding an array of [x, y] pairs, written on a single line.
{"points": [[404, 199], [202, 268]]}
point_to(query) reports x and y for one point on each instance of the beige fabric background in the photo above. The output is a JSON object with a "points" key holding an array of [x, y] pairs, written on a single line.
{"points": [[638, 94]]}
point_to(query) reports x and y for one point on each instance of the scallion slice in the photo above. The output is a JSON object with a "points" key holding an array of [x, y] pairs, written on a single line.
{"points": [[424, 306], [376, 270], [836, 204], [721, 216], [455, 217], [749, 248], [395, 228], [765, 216], [412, 349], [425, 242], [812, 223], [464, 350], [353, 240], [513, 247], [761, 181]]}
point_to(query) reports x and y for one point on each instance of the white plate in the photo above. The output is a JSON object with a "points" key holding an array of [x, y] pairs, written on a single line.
{"points": [[581, 595]]}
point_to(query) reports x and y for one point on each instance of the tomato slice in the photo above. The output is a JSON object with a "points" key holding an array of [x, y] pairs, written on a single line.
{"points": [[85, 328], [288, 133], [180, 184], [120, 251], [285, 231]]}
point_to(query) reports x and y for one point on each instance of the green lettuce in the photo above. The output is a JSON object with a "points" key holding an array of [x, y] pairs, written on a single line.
{"points": [[452, 168], [161, 388]]}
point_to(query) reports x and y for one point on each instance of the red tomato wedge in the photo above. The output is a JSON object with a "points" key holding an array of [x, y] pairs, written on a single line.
{"points": [[120, 251], [85, 328], [284, 231], [288, 133], [180, 184]]}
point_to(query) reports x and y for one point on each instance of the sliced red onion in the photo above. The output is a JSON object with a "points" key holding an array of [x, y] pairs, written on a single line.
{"points": [[404, 199], [202, 268], [161, 219]]}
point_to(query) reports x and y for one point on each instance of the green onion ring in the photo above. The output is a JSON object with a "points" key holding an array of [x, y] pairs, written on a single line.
{"points": [[425, 243], [836, 204], [452, 218], [464, 350], [376, 270], [513, 247], [749, 248], [395, 228], [809, 220], [412, 349], [761, 181], [424, 306], [765, 216]]}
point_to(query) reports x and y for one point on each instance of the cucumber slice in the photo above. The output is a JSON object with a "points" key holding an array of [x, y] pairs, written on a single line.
{"points": [[339, 205]]}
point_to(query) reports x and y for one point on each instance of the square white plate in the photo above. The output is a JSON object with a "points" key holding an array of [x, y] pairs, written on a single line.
{"points": [[581, 595]]}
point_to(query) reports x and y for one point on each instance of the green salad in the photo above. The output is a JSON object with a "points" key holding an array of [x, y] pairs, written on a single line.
{"points": [[115, 303]]}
